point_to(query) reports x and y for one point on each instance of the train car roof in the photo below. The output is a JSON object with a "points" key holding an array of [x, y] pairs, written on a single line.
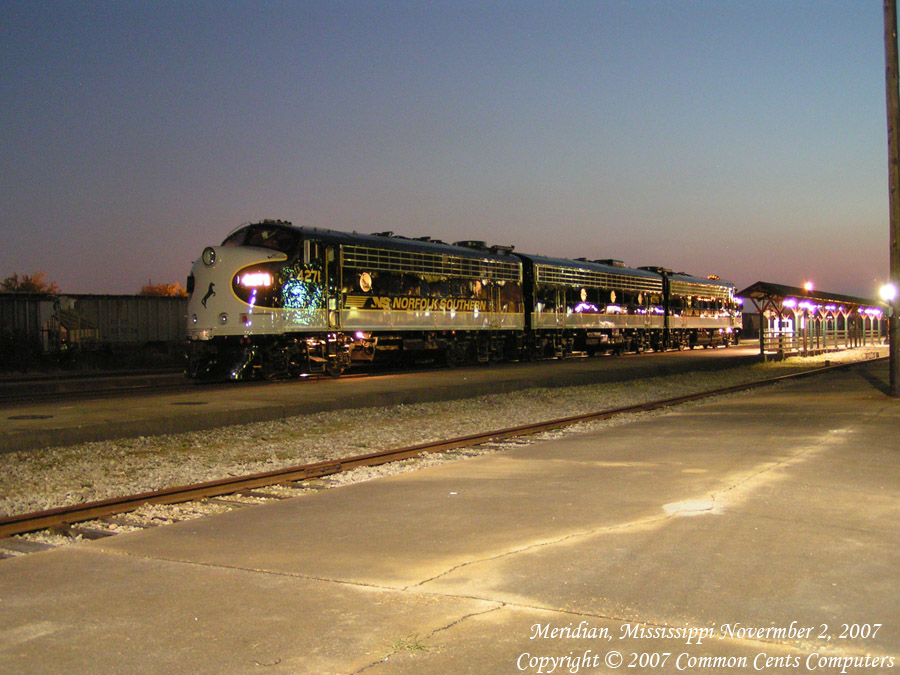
{"points": [[706, 281], [594, 266], [390, 241]]}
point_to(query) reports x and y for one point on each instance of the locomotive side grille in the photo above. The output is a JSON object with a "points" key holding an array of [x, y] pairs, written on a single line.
{"points": [[431, 264], [701, 290], [576, 277]]}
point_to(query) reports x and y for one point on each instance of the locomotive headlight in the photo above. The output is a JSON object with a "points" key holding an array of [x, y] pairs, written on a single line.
{"points": [[223, 318], [263, 284], [255, 280], [209, 256]]}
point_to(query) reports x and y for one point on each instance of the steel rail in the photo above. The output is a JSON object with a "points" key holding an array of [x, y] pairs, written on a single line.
{"points": [[66, 515]]}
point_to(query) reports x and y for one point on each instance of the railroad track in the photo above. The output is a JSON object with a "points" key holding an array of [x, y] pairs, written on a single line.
{"points": [[63, 517]]}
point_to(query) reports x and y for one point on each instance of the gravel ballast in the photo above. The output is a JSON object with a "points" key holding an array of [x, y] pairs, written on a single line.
{"points": [[41, 479]]}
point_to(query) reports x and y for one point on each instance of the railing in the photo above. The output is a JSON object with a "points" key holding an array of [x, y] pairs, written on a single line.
{"points": [[817, 338]]}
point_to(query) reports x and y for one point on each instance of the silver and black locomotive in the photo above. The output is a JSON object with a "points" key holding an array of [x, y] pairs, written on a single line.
{"points": [[276, 300]]}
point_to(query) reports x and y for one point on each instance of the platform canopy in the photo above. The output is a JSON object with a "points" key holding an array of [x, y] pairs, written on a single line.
{"points": [[766, 295], [797, 320]]}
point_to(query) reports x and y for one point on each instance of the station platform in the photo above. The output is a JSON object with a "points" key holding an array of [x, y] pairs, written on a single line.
{"points": [[755, 533]]}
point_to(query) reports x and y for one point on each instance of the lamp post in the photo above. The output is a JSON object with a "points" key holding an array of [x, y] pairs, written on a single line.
{"points": [[889, 296], [892, 86]]}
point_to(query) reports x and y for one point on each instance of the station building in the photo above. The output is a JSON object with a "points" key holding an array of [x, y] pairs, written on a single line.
{"points": [[795, 321]]}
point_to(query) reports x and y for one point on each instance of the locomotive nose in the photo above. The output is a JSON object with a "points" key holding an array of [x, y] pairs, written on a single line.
{"points": [[210, 293], [203, 288]]}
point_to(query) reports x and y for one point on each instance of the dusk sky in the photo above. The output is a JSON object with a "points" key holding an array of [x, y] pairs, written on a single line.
{"points": [[744, 139]]}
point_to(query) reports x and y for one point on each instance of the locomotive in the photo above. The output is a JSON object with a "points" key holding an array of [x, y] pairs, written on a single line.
{"points": [[276, 300]]}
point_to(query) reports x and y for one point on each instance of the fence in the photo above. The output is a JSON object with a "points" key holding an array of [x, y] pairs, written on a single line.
{"points": [[806, 335]]}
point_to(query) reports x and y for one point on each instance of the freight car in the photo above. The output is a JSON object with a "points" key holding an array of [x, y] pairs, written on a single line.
{"points": [[50, 329], [275, 300]]}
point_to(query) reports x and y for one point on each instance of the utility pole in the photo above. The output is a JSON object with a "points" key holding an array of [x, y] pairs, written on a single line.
{"points": [[893, 126]]}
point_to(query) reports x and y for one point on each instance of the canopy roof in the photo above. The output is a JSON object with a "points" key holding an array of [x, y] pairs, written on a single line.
{"points": [[767, 291]]}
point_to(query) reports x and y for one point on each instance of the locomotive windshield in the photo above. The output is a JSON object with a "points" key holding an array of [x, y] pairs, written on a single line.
{"points": [[265, 236]]}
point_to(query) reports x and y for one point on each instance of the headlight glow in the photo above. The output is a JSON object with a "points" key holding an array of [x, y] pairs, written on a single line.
{"points": [[209, 256], [255, 280]]}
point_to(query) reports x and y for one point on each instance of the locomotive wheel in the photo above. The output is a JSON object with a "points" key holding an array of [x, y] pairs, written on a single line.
{"points": [[336, 365], [455, 354], [451, 358]]}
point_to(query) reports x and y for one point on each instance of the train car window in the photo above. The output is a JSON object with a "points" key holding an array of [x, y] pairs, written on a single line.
{"points": [[412, 285], [510, 296], [546, 297], [235, 239], [276, 238], [439, 288], [636, 303], [395, 284], [379, 282]]}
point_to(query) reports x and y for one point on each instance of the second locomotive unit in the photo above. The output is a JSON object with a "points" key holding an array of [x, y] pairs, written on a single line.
{"points": [[275, 300]]}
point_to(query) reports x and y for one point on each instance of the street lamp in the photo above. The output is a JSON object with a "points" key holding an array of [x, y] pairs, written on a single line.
{"points": [[888, 294]]}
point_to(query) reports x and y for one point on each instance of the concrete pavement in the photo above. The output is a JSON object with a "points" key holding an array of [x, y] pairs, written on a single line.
{"points": [[756, 533]]}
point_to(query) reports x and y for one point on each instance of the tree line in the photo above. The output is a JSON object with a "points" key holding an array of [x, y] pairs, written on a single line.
{"points": [[38, 283]]}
